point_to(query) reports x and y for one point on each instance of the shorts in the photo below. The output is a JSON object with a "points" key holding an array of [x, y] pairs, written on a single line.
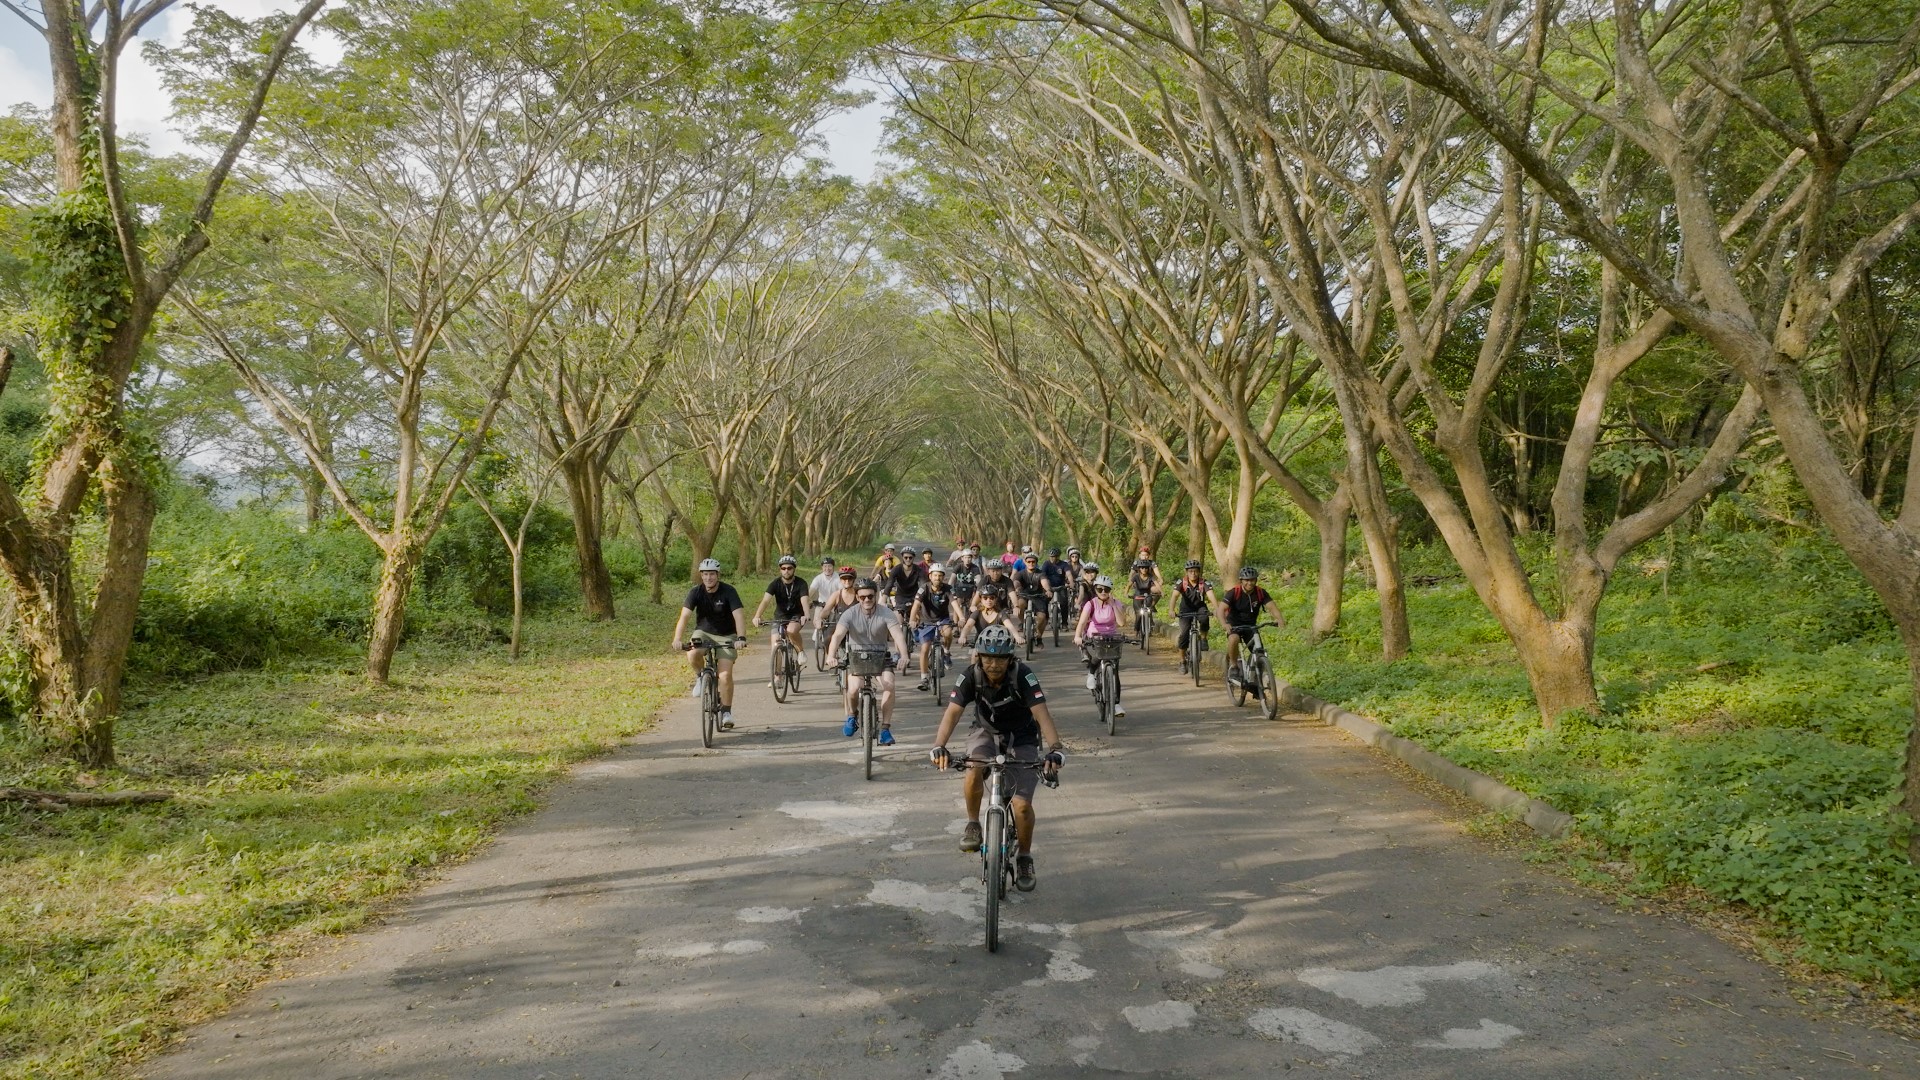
{"points": [[722, 646], [927, 633], [982, 743]]}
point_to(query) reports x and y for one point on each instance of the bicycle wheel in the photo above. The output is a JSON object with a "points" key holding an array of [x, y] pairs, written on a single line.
{"points": [[1269, 688], [793, 670], [820, 651], [1146, 630], [993, 851], [1026, 630], [869, 725], [1194, 650], [936, 656], [1059, 616], [1109, 694], [710, 709], [779, 664]]}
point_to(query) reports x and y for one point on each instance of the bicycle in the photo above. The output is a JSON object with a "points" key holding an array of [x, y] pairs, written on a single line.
{"points": [[867, 665], [709, 694], [1196, 642], [1028, 621], [1000, 839], [1143, 619], [785, 663], [1062, 611], [1105, 652], [1255, 673], [822, 635], [938, 660]]}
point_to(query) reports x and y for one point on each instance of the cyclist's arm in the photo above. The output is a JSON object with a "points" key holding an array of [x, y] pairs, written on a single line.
{"points": [[899, 634], [1273, 605], [760, 610], [949, 719], [833, 646], [1080, 627], [953, 610], [913, 617], [740, 622], [1048, 732], [680, 627]]}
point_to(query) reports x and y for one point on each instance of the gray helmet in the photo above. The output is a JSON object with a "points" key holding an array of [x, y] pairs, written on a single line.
{"points": [[1193, 564], [1248, 573], [710, 564], [994, 641], [788, 560], [1103, 582]]}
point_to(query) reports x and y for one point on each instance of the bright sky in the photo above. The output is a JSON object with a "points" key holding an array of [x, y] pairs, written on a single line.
{"points": [[144, 107]]}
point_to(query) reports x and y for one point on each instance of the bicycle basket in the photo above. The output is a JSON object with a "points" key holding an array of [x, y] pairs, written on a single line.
{"points": [[1105, 648], [866, 661]]}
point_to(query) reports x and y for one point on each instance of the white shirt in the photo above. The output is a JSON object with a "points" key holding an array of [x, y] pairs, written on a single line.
{"points": [[823, 587]]}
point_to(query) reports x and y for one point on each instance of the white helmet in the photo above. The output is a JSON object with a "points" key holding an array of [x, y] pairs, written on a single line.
{"points": [[710, 564], [1103, 582]]}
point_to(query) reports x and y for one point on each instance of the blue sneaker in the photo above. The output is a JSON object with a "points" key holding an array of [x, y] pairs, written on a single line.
{"points": [[852, 725], [886, 736]]}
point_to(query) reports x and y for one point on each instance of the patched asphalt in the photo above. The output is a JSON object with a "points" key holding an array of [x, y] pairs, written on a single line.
{"points": [[1219, 896]]}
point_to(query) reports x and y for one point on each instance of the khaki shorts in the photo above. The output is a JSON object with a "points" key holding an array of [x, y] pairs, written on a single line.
{"points": [[983, 744], [722, 646]]}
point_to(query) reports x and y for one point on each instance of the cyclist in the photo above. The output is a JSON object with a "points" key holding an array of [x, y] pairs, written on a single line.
{"points": [[721, 625], [884, 565], [990, 609], [1192, 600], [966, 579], [789, 599], [1073, 564], [1008, 558], [1083, 589], [867, 625], [935, 610], [843, 596], [1240, 610], [821, 589], [904, 585], [1010, 710], [1056, 570], [998, 577], [1099, 618], [1143, 563], [1030, 588]]}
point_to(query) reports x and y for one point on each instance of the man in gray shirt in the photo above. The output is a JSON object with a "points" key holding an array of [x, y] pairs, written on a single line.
{"points": [[869, 625]]}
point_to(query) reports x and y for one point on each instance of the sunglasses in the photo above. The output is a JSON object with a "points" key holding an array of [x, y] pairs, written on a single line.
{"points": [[865, 596], [1101, 588]]}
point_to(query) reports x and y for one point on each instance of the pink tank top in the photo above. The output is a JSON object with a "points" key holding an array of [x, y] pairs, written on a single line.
{"points": [[1105, 621]]}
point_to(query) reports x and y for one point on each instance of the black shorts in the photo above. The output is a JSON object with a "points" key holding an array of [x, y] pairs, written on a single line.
{"points": [[984, 744]]}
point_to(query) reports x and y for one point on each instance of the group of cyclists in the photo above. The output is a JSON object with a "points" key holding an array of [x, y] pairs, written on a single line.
{"points": [[981, 603]]}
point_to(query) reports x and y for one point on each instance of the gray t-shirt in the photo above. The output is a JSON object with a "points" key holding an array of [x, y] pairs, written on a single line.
{"points": [[866, 631]]}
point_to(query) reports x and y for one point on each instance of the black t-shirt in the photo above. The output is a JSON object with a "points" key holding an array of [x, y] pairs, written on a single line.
{"points": [[1007, 709], [906, 582], [936, 606], [789, 597], [1028, 581], [1244, 605], [1193, 598], [966, 579], [1141, 583], [714, 610]]}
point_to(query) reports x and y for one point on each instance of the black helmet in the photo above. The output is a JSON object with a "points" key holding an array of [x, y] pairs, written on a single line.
{"points": [[994, 640], [867, 583], [1248, 573], [1142, 564], [1053, 553], [994, 591], [1194, 564]]}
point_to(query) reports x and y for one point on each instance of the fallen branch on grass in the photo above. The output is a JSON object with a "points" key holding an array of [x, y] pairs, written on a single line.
{"points": [[67, 800]]}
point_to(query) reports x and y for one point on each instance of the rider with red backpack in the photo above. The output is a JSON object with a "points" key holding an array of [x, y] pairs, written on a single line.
{"points": [[1240, 610]]}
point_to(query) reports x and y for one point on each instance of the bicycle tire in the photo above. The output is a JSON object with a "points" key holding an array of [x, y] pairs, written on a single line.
{"points": [[938, 656], [1026, 630], [869, 726], [793, 670], [1194, 651], [820, 651], [1109, 694], [1236, 691], [1269, 687], [779, 673], [1146, 630], [993, 851], [710, 709]]}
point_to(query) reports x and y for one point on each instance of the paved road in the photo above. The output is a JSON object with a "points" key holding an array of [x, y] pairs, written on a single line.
{"points": [[1219, 897]]}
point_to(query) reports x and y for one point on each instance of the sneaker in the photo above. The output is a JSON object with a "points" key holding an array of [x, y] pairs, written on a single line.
{"points": [[1119, 710], [1023, 873], [923, 684], [850, 727], [1183, 666], [886, 736], [726, 720], [1093, 683], [699, 686], [970, 840]]}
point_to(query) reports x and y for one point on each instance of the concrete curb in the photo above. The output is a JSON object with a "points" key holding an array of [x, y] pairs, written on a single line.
{"points": [[1483, 789]]}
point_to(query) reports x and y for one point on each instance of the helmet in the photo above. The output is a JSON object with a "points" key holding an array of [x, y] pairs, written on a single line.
{"points": [[889, 547], [1103, 582], [1030, 557], [1145, 551], [994, 591], [908, 553], [994, 641], [709, 564], [788, 560], [1053, 553], [1089, 567], [866, 583], [1193, 564], [1248, 573], [848, 571], [937, 568], [826, 560], [1073, 551], [1142, 564], [1026, 549]]}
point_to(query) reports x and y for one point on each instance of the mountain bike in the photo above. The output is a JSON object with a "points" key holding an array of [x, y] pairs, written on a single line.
{"points": [[1196, 643], [867, 665], [938, 661], [1027, 624], [1253, 673], [1105, 652], [1143, 619], [1062, 611], [785, 663], [1000, 839], [820, 638], [709, 696]]}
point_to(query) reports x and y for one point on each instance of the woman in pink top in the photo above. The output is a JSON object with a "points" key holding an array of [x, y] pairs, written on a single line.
{"points": [[1100, 617]]}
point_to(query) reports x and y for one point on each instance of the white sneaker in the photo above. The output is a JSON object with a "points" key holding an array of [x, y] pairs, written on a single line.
{"points": [[699, 686], [1093, 682], [1119, 710]]}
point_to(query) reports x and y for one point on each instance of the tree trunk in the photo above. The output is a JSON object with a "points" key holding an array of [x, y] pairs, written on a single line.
{"points": [[1335, 513], [518, 552], [586, 497], [1383, 551], [390, 606], [1558, 656]]}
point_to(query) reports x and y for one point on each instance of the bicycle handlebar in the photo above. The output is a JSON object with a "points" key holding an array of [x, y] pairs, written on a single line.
{"points": [[1256, 626]]}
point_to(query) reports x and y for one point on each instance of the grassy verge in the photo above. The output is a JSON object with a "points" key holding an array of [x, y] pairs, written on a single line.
{"points": [[1756, 706], [304, 799]]}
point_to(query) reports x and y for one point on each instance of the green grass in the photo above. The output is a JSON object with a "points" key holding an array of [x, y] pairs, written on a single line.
{"points": [[1756, 703], [304, 799]]}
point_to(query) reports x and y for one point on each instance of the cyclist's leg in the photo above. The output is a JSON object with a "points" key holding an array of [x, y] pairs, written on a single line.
{"points": [[1186, 628], [1023, 819], [1025, 783], [980, 745], [886, 698], [793, 634], [726, 682]]}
